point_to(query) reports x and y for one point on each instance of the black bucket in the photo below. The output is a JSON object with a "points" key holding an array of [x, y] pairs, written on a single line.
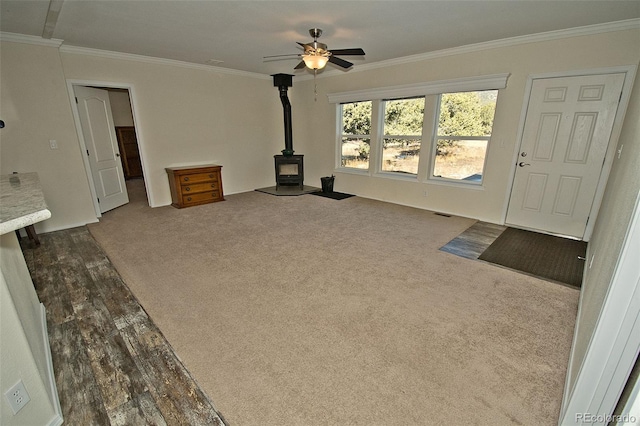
{"points": [[327, 183]]}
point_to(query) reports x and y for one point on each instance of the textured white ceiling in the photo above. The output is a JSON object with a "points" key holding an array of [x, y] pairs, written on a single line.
{"points": [[240, 33]]}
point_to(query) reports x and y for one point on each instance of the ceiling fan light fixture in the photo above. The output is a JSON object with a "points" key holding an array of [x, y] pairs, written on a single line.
{"points": [[315, 62]]}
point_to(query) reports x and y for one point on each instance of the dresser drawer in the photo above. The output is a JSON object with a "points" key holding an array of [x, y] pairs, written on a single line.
{"points": [[198, 177], [193, 188], [193, 185], [200, 198]]}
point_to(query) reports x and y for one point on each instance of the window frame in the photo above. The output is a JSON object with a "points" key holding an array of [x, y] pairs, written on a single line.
{"points": [[431, 91], [340, 135], [431, 177], [382, 136]]}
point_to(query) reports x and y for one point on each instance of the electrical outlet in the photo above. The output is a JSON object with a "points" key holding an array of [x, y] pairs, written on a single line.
{"points": [[53, 144], [17, 396]]}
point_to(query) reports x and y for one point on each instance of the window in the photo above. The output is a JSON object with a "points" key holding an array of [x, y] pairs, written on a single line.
{"points": [[355, 137], [465, 121], [403, 119], [387, 125]]}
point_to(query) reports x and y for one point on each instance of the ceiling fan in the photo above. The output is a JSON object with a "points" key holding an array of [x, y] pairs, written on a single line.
{"points": [[316, 55]]}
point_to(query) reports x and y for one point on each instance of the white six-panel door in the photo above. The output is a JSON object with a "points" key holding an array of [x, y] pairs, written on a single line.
{"points": [[567, 129], [98, 130]]}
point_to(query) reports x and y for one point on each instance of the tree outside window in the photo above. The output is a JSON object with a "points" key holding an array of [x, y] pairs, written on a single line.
{"points": [[355, 138], [464, 129], [403, 119]]}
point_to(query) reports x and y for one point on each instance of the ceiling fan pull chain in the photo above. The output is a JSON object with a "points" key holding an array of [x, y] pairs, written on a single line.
{"points": [[315, 86]]}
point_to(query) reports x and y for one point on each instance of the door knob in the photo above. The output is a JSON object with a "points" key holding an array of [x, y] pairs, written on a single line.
{"points": [[522, 164], [523, 154]]}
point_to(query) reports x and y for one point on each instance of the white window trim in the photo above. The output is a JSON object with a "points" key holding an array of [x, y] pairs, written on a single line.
{"points": [[378, 95], [338, 162], [379, 171], [353, 171], [466, 84], [396, 175], [430, 178]]}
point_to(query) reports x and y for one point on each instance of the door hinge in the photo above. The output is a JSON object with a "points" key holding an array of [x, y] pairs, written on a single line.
{"points": [[98, 200], [76, 99], [87, 153]]}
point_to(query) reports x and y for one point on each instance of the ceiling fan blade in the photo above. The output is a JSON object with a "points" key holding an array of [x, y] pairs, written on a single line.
{"points": [[340, 62], [299, 66], [354, 51], [282, 56]]}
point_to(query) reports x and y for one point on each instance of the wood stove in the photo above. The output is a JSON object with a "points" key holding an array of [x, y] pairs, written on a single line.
{"points": [[289, 170], [289, 167]]}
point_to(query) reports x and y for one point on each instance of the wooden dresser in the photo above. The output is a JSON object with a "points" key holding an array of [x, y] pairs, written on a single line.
{"points": [[195, 185]]}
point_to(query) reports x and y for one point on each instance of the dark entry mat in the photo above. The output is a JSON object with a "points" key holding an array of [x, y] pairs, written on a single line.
{"points": [[333, 195], [541, 255]]}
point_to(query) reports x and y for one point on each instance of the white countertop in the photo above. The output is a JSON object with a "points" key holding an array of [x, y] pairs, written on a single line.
{"points": [[21, 202]]}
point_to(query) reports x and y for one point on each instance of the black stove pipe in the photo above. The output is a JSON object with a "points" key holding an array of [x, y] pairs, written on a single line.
{"points": [[283, 82]]}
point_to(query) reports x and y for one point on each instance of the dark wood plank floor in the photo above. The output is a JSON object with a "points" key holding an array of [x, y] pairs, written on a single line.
{"points": [[112, 364]]}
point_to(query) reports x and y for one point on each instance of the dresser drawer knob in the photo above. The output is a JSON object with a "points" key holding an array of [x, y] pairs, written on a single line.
{"points": [[186, 179], [188, 198], [187, 188], [213, 185], [211, 175]]}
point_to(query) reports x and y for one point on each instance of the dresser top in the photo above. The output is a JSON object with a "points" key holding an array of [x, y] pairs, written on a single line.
{"points": [[195, 166], [21, 202]]}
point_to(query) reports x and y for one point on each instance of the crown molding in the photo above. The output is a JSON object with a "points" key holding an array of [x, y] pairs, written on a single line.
{"points": [[30, 39], [157, 61], [57, 43], [484, 82], [628, 24]]}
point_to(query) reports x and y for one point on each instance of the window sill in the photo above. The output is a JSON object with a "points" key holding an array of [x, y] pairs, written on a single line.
{"points": [[396, 176], [351, 171], [478, 186]]}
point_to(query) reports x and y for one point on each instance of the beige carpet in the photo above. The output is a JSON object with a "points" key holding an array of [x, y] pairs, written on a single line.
{"points": [[310, 311]]}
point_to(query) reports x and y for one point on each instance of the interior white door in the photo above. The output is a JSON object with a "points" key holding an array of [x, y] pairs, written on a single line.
{"points": [[99, 134], [566, 133]]}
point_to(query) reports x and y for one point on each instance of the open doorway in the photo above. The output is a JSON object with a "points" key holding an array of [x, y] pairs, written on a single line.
{"points": [[125, 132], [109, 140], [127, 143]]}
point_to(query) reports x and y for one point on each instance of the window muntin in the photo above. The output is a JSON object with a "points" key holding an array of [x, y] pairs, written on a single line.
{"points": [[403, 121], [355, 138], [465, 122]]}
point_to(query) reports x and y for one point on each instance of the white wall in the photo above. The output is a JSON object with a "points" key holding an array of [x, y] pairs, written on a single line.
{"points": [[317, 123], [184, 115], [192, 116], [120, 108], [35, 108]]}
